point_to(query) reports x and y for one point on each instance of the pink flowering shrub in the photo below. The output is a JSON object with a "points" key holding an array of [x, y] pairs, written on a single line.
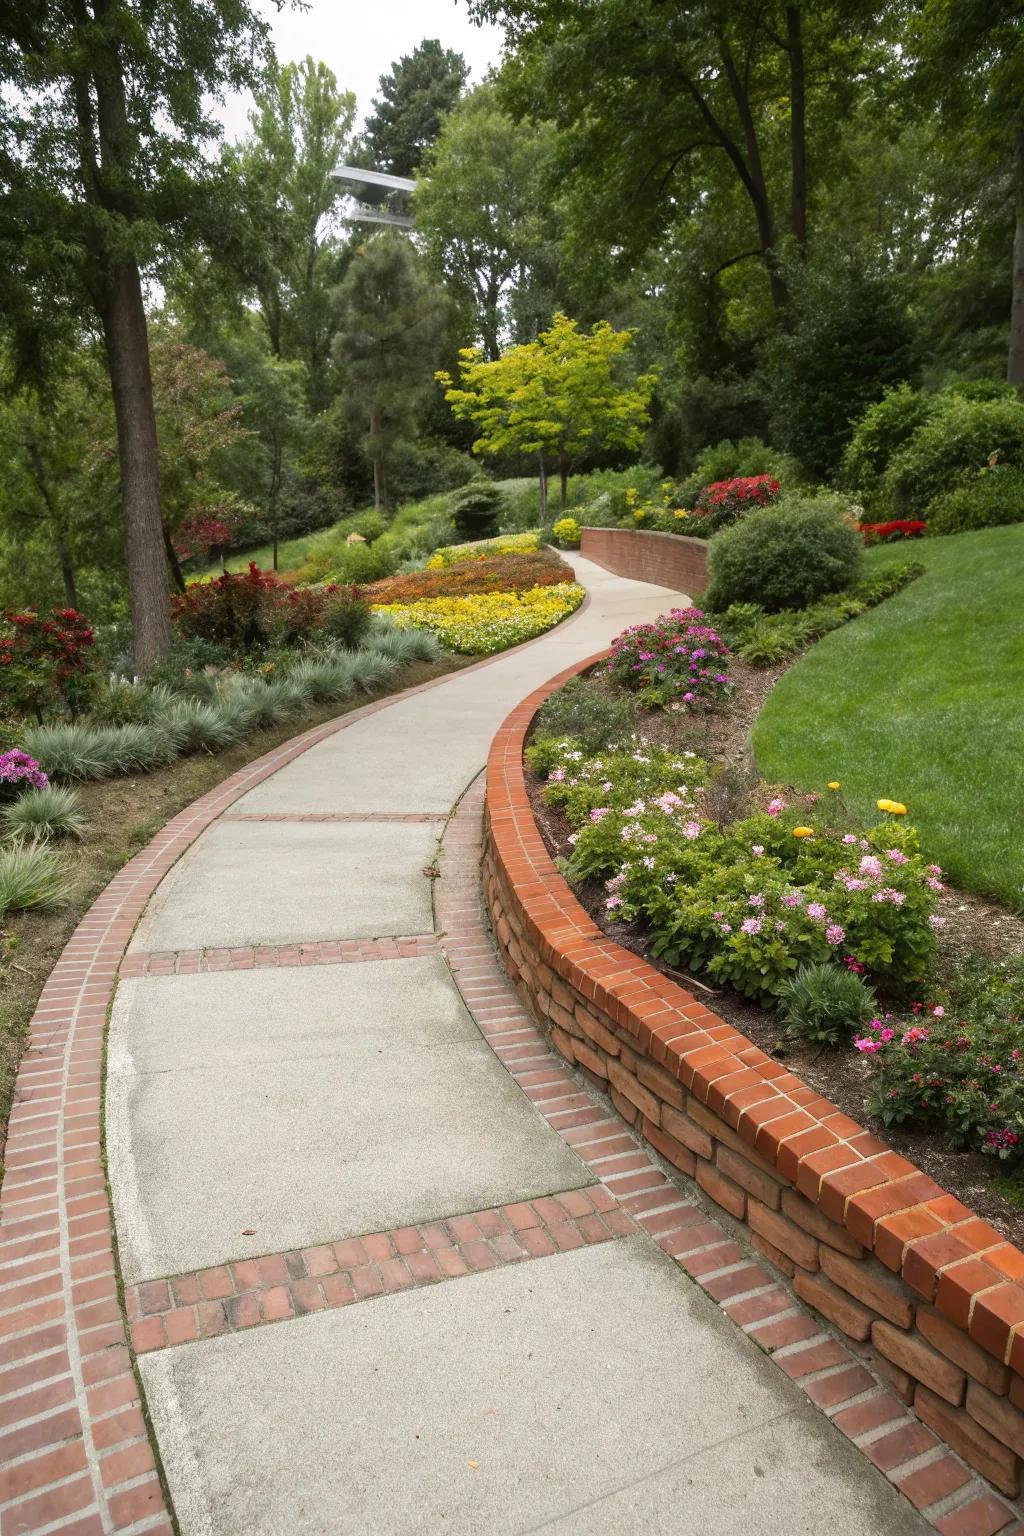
{"points": [[680, 660], [746, 902], [956, 1067], [19, 771]]}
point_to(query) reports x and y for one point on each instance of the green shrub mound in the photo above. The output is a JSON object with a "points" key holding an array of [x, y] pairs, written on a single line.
{"points": [[785, 556], [762, 639], [728, 460], [477, 510], [596, 718], [991, 498], [825, 1004]]}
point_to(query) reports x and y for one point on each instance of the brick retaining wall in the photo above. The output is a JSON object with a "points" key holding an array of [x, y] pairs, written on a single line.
{"points": [[666, 559], [869, 1241]]}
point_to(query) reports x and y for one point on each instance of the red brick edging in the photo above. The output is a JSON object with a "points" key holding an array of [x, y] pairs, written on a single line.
{"points": [[872, 1243]]}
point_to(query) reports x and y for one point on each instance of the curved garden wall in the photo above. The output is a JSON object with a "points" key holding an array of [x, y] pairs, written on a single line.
{"points": [[667, 559], [870, 1241]]}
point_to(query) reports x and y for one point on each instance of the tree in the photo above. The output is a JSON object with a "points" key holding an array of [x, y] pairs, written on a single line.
{"points": [[391, 317], [273, 408], [970, 58], [414, 98], [102, 130], [661, 102], [279, 185], [55, 491], [848, 340], [487, 226], [556, 397]]}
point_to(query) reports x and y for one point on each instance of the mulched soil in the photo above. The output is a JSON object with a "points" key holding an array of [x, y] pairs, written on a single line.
{"points": [[842, 1076]]}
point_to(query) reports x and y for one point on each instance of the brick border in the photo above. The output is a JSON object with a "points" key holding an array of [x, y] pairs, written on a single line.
{"points": [[871, 1242], [250, 957], [666, 559], [71, 1409]]}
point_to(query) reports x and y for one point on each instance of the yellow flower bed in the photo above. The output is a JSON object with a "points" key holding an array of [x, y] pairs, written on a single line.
{"points": [[484, 549], [485, 623]]}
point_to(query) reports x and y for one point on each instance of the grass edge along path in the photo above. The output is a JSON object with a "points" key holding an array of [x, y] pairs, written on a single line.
{"points": [[920, 700]]}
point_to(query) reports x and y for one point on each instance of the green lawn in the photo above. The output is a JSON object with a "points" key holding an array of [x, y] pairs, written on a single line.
{"points": [[922, 700]]}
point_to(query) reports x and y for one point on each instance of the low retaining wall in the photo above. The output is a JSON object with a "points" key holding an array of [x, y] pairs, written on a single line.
{"points": [[872, 1243], [666, 559]]}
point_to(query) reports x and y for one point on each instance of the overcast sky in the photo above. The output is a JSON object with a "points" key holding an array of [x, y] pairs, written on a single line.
{"points": [[361, 39]]}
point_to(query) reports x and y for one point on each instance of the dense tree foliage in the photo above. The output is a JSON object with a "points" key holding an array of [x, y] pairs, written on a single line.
{"points": [[806, 219]]}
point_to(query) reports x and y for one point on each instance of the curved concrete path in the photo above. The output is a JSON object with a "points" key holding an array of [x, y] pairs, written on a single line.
{"points": [[357, 1303]]}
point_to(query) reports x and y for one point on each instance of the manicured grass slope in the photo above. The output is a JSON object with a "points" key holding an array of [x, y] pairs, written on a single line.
{"points": [[922, 700]]}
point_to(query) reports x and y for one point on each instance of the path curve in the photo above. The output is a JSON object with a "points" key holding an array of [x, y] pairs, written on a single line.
{"points": [[302, 1114]]}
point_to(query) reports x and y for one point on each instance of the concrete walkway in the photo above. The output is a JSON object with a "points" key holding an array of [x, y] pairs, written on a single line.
{"points": [[358, 1306]]}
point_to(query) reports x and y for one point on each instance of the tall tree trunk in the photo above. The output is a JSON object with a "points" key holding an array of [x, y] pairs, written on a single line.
{"points": [[797, 126], [378, 463], [177, 574], [127, 346], [67, 572], [1015, 356], [275, 488], [563, 478], [753, 177], [543, 484]]}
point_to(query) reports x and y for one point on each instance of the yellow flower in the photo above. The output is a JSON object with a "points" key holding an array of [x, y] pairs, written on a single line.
{"points": [[894, 807], [833, 783], [803, 831]]}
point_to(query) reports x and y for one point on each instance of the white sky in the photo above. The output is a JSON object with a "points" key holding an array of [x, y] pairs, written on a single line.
{"points": [[360, 40]]}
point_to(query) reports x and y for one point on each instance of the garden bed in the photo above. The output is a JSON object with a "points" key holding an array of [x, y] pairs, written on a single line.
{"points": [[973, 926]]}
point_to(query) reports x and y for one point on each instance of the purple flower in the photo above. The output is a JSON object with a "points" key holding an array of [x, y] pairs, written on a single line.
{"points": [[16, 767], [816, 912], [755, 901], [834, 934], [751, 925]]}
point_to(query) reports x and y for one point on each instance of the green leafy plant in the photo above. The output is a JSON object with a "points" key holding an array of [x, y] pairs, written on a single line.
{"points": [[595, 717], [477, 510], [825, 1003], [990, 498], [785, 556]]}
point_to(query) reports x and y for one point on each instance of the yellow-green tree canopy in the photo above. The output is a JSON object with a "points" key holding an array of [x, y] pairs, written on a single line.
{"points": [[557, 397]]}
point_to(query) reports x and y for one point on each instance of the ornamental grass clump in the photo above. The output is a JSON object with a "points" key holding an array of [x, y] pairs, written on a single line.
{"points": [[825, 1003], [54, 811], [679, 661], [32, 874]]}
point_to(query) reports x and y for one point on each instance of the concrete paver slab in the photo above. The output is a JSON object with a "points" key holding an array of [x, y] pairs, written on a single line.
{"points": [[283, 882], [595, 1391], [323, 1130]]}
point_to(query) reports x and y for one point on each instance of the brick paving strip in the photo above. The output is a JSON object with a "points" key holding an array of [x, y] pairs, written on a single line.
{"points": [[249, 957], [230, 1297]]}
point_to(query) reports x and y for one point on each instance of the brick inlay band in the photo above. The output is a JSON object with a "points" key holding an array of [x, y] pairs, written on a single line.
{"points": [[249, 957], [230, 1297], [363, 816]]}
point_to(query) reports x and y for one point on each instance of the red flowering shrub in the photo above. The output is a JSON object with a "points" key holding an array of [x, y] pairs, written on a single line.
{"points": [[722, 502], [504, 573], [889, 533], [250, 611], [43, 661]]}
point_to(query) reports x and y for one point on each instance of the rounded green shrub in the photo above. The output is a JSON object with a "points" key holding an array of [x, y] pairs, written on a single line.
{"points": [[990, 499], [785, 556], [477, 509], [824, 1004], [885, 428], [959, 437]]}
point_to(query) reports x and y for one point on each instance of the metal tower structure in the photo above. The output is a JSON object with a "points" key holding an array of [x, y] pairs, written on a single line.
{"points": [[366, 213]]}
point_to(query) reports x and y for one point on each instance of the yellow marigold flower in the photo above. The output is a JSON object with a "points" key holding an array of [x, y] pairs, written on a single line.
{"points": [[833, 783], [803, 831], [896, 808]]}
